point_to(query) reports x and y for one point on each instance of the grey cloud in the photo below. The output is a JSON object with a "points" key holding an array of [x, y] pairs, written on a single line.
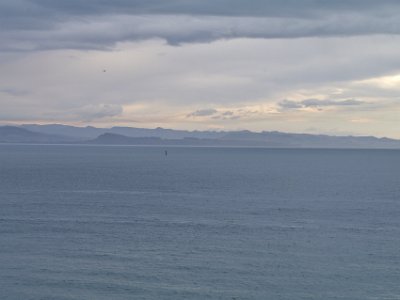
{"points": [[224, 117], [289, 104], [98, 24], [215, 114], [13, 91], [262, 8], [318, 103], [105, 32], [203, 113]]}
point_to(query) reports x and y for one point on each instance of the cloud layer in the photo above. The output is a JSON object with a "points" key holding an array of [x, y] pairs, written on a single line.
{"points": [[316, 103], [98, 24]]}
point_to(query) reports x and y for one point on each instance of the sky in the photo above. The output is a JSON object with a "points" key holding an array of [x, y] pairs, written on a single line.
{"points": [[310, 66]]}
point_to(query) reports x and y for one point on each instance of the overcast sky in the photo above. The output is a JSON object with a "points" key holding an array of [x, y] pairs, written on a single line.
{"points": [[315, 66]]}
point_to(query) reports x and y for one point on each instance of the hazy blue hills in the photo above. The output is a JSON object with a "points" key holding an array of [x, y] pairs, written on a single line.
{"points": [[117, 139], [50, 134], [12, 134], [252, 139], [280, 139], [80, 133], [90, 132]]}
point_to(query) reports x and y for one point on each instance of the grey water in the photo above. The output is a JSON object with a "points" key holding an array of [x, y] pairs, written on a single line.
{"points": [[93, 222]]}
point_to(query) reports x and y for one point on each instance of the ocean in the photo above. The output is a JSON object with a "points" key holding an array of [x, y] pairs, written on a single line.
{"points": [[114, 222]]}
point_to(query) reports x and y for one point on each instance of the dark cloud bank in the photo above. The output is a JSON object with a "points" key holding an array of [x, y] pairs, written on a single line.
{"points": [[259, 8], [97, 24], [289, 104]]}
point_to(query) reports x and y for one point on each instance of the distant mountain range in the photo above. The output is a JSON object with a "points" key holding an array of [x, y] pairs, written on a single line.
{"points": [[13, 134], [89, 132], [63, 134]]}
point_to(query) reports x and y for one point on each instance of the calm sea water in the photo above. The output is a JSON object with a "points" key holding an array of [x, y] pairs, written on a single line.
{"points": [[81, 222]]}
